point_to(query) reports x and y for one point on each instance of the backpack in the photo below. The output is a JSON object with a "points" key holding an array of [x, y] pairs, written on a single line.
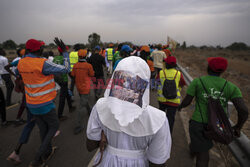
{"points": [[169, 90], [218, 128]]}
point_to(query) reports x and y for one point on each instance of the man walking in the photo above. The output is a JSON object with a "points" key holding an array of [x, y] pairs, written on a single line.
{"points": [[82, 73], [62, 80], [6, 76], [200, 145], [97, 61], [170, 105], [40, 91], [109, 57]]}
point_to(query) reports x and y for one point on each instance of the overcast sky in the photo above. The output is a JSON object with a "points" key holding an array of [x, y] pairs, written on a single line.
{"points": [[198, 22]]}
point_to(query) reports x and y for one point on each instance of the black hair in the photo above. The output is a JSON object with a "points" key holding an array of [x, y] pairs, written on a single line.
{"points": [[144, 55], [51, 53], [169, 66], [119, 47], [124, 54], [2, 52], [45, 54], [211, 72], [18, 52]]}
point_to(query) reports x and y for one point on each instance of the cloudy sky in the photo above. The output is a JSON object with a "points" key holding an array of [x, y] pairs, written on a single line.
{"points": [[198, 22]]}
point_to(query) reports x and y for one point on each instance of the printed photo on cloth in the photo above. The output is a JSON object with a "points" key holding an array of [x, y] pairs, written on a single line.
{"points": [[128, 87]]}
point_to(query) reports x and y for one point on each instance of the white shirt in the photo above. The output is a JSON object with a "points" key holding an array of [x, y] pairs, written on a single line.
{"points": [[157, 146], [3, 62], [51, 58], [158, 57]]}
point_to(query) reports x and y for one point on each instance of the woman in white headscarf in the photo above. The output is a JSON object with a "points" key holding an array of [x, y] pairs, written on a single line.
{"points": [[137, 134]]}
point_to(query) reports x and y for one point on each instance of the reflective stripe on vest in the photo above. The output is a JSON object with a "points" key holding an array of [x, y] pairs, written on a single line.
{"points": [[40, 93], [170, 73], [110, 53], [73, 58], [39, 88], [39, 85]]}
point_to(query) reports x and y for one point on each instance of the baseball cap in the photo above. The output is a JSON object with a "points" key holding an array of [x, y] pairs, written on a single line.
{"points": [[171, 60], [126, 48], [217, 64], [82, 53], [97, 47], [33, 45], [145, 48]]}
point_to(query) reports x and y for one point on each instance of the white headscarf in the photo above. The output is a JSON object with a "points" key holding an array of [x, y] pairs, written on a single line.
{"points": [[121, 113]]}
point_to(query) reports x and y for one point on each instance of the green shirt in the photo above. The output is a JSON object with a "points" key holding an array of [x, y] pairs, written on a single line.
{"points": [[116, 56], [60, 77], [213, 84]]}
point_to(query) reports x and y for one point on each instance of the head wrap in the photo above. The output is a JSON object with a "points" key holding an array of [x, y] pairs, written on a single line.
{"points": [[125, 106]]}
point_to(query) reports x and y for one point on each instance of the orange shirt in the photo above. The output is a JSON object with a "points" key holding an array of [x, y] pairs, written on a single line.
{"points": [[151, 65], [83, 71]]}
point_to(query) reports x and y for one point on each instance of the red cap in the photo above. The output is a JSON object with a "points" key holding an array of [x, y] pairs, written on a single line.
{"points": [[34, 45], [60, 49], [217, 64], [171, 60]]}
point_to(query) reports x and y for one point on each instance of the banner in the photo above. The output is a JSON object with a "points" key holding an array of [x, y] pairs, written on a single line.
{"points": [[172, 43]]}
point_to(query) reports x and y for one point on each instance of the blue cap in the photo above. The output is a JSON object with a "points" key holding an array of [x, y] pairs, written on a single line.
{"points": [[126, 48], [97, 47]]}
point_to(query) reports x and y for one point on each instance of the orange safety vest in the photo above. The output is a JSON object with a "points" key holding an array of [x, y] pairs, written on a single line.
{"points": [[39, 88]]}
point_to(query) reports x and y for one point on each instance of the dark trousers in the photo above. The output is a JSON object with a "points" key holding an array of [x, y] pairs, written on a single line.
{"points": [[9, 85], [48, 125], [22, 107], [72, 85], [170, 111], [99, 86], [27, 128], [2, 106], [64, 94]]}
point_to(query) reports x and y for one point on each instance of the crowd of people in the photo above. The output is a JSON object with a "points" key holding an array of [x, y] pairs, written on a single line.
{"points": [[128, 130]]}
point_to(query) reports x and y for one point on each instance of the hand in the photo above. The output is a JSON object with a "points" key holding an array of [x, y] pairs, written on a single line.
{"points": [[236, 131], [60, 44]]}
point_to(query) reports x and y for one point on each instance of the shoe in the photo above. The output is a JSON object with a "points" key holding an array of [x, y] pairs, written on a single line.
{"points": [[14, 157], [5, 124], [63, 118], [72, 109], [9, 104], [19, 122], [77, 130], [49, 155]]}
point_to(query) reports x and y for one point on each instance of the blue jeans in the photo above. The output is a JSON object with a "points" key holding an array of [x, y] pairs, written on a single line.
{"points": [[28, 128]]}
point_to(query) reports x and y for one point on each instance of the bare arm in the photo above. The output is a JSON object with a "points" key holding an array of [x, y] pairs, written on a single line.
{"points": [[92, 144], [187, 101], [7, 68], [242, 112]]}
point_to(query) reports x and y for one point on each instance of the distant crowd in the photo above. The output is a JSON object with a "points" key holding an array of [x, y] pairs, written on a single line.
{"points": [[128, 131]]}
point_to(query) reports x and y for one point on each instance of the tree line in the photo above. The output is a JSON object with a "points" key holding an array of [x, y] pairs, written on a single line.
{"points": [[95, 39]]}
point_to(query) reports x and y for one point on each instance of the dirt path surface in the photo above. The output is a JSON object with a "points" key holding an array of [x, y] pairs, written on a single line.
{"points": [[238, 71], [72, 151]]}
